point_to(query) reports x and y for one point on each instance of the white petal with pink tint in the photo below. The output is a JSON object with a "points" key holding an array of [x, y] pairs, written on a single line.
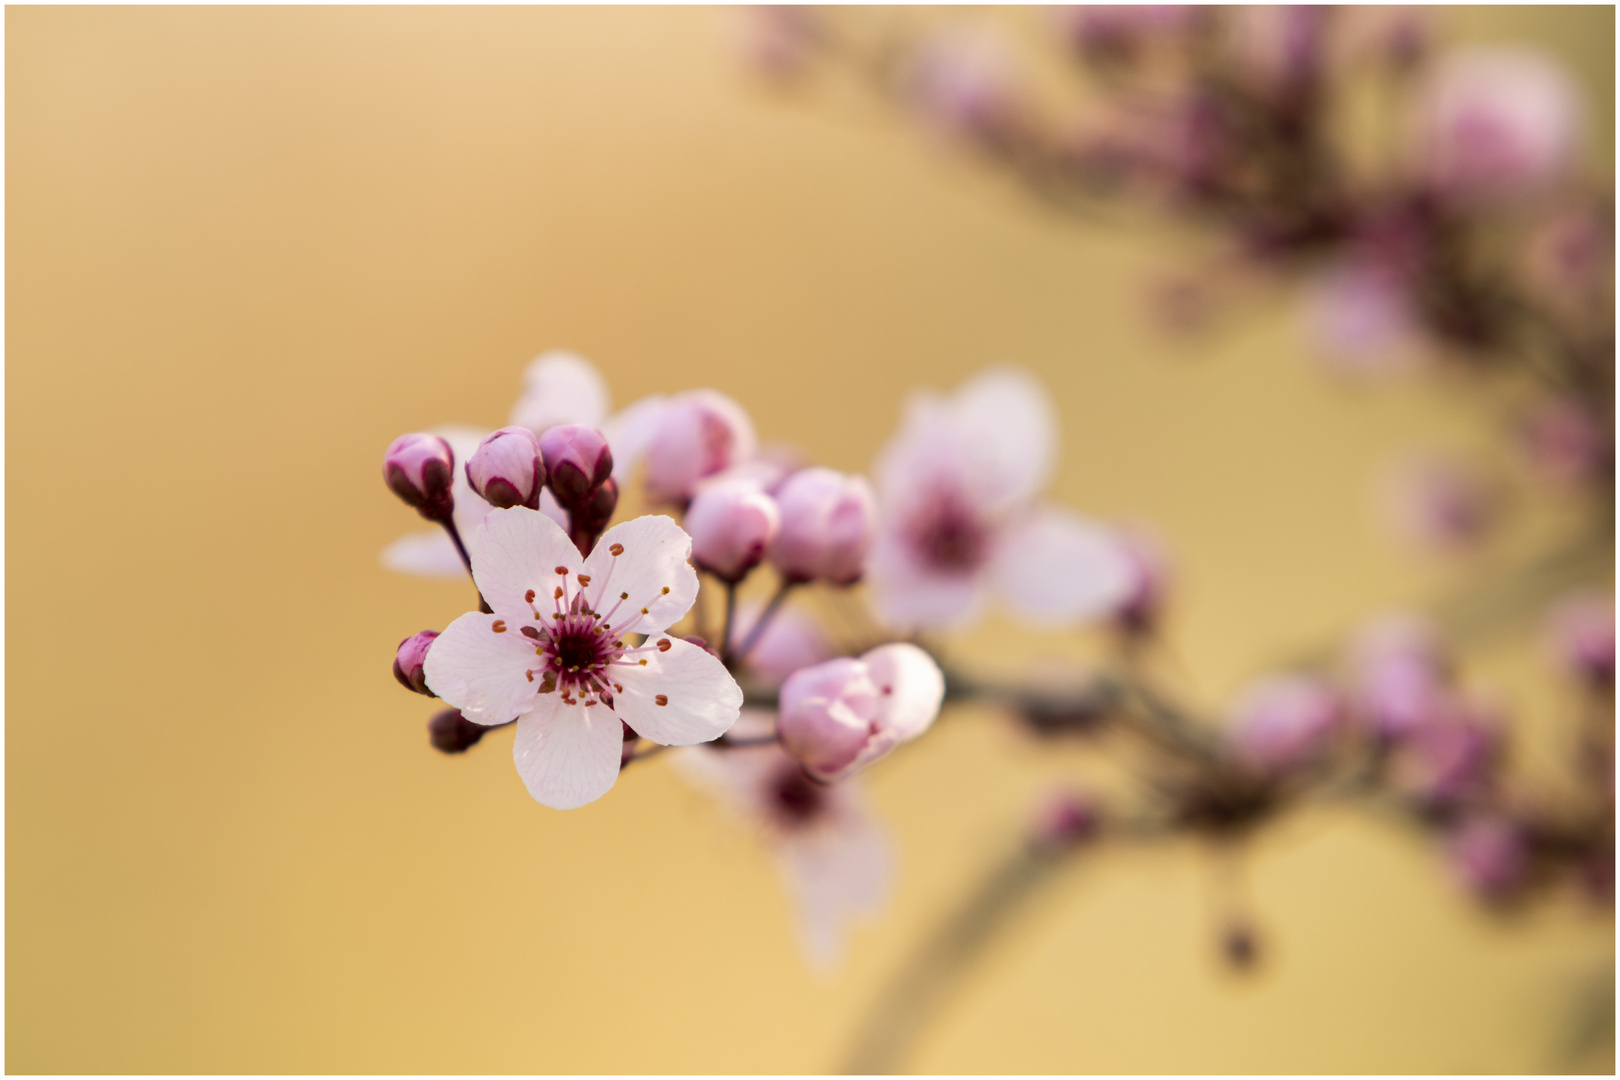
{"points": [[1008, 421], [560, 387], [835, 876], [481, 670], [426, 554], [700, 699], [1057, 567], [518, 552], [910, 687], [909, 593], [651, 571], [567, 755]]}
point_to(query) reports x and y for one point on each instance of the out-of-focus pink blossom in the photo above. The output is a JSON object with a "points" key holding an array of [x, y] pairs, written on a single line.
{"points": [[1359, 313], [842, 715], [1489, 855], [419, 468], [1564, 441], [1285, 721], [1581, 628], [732, 522], [1279, 47], [1570, 257], [1497, 124], [1438, 502], [506, 468], [1399, 672], [560, 387], [1450, 759], [1065, 818], [963, 81], [960, 520], [1121, 32], [408, 661], [835, 860], [682, 440], [828, 524], [1149, 577], [790, 641], [777, 40]]}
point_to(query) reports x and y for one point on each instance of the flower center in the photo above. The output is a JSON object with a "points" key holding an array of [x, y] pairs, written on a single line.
{"points": [[795, 797], [948, 534]]}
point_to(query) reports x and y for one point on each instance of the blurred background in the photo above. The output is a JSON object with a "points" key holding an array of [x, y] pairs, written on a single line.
{"points": [[248, 247]]}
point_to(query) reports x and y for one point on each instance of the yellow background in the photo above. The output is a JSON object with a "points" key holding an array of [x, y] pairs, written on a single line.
{"points": [[247, 247]]}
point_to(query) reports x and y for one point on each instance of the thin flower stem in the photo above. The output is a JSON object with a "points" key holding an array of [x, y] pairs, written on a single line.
{"points": [[727, 742], [731, 620], [449, 524], [757, 631]]}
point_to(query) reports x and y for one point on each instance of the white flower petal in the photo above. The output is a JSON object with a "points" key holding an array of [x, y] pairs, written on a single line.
{"points": [[481, 671], [1007, 422], [908, 594], [650, 571], [1057, 567], [518, 551], [427, 554], [560, 387], [630, 430], [835, 875], [700, 698], [910, 687], [568, 755]]}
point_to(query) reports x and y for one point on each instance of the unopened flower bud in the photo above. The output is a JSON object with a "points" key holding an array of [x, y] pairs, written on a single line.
{"points": [[409, 659], [697, 434], [419, 469], [1149, 575], [1065, 819], [731, 523], [452, 733], [1450, 760], [1582, 630], [577, 462], [506, 468], [842, 715], [1285, 721], [828, 522], [1490, 855]]}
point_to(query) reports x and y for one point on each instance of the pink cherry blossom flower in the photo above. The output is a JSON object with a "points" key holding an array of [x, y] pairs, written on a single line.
{"points": [[1359, 314], [1438, 502], [560, 387], [835, 860], [1489, 855], [553, 655], [1285, 721], [963, 81], [960, 520], [682, 440], [1497, 124], [1399, 673], [840, 716], [1581, 629], [1450, 759]]}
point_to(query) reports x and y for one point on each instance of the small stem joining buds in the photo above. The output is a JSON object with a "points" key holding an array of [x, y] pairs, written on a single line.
{"points": [[409, 660], [507, 469], [418, 468]]}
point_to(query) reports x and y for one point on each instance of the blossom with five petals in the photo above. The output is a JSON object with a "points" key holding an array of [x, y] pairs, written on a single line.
{"points": [[553, 655]]}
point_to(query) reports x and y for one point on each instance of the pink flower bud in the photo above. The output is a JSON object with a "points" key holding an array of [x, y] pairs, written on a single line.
{"points": [[1497, 124], [828, 523], [452, 733], [1065, 819], [1582, 631], [409, 659], [577, 462], [1449, 760], [506, 468], [1490, 855], [1149, 574], [419, 469], [731, 523], [1285, 721], [962, 81], [1400, 676], [698, 434], [841, 716]]}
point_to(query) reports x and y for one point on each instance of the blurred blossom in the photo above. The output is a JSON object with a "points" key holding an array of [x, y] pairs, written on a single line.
{"points": [[1064, 819], [1397, 37], [777, 40], [732, 522], [840, 716], [1497, 124], [963, 81], [790, 641], [1149, 571], [560, 387], [828, 524], [1438, 502], [1285, 721], [1280, 48], [1449, 759], [1359, 312], [957, 493], [835, 860], [1569, 259], [552, 656], [1489, 854], [1399, 673], [681, 440], [1119, 33], [1564, 441], [1581, 629]]}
